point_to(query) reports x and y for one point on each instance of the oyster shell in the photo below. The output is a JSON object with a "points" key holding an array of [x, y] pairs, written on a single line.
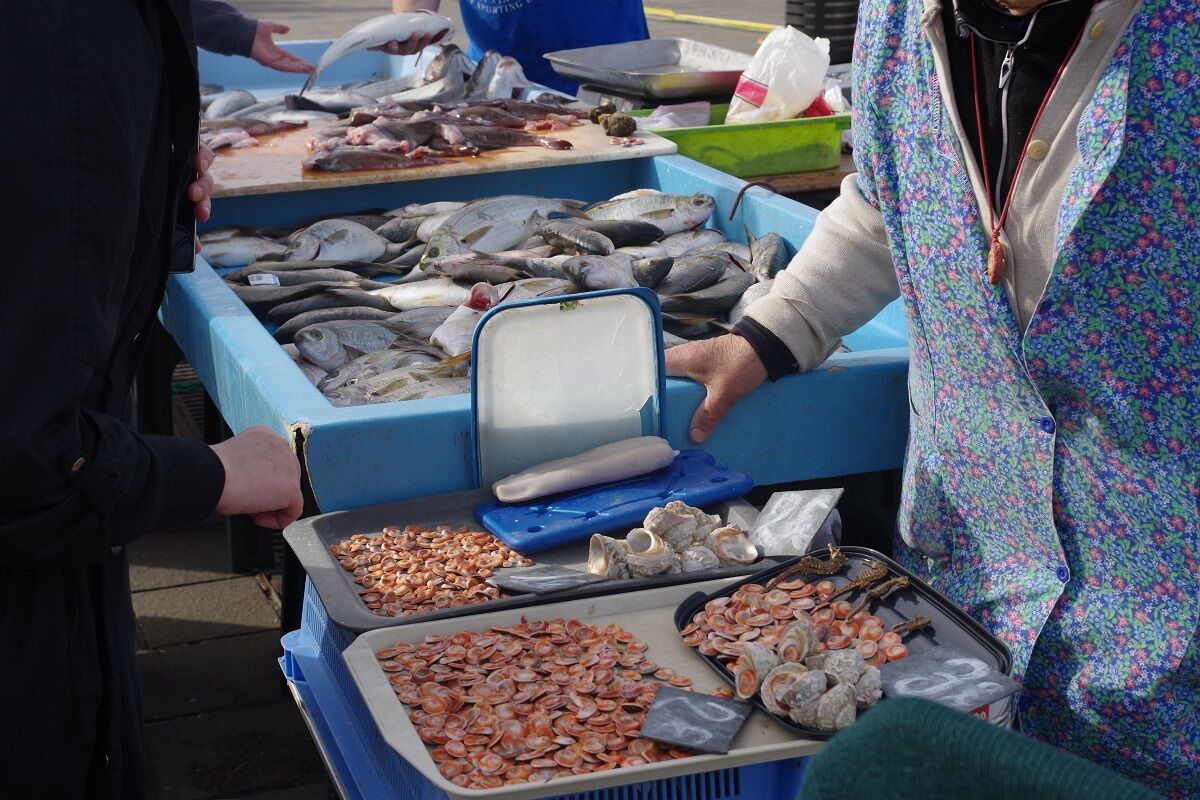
{"points": [[797, 641], [674, 527], [698, 558], [836, 709], [606, 556], [812, 684], [645, 543], [869, 688], [752, 666], [731, 546], [844, 666], [643, 566], [776, 685]]}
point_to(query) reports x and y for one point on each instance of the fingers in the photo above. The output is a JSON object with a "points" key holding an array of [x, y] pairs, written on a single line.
{"points": [[716, 405], [276, 27], [199, 193], [689, 360], [204, 159], [284, 61]]}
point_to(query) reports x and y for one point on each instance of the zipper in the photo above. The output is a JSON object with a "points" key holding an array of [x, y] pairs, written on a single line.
{"points": [[1006, 68]]}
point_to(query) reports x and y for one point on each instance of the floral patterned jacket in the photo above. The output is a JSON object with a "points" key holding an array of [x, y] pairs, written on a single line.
{"points": [[1052, 481]]}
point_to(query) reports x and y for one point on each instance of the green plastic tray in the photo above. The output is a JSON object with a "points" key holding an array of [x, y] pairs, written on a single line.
{"points": [[760, 148]]}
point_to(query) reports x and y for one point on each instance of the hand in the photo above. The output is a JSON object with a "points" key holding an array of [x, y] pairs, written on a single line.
{"points": [[729, 369], [200, 192], [413, 44], [262, 478], [266, 52]]}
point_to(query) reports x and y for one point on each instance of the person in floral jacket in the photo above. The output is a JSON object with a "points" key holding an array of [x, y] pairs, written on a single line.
{"points": [[1029, 186]]}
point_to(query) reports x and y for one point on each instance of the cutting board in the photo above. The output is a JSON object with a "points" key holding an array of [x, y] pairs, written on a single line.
{"points": [[274, 166]]}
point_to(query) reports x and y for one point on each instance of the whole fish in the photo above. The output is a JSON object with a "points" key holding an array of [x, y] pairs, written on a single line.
{"points": [[530, 288], [487, 115], [426, 209], [409, 258], [374, 363], [299, 276], [496, 268], [252, 127], [449, 57], [361, 269], [533, 112], [296, 116], [331, 344], [694, 272], [330, 298], [379, 31], [454, 335], [420, 323], [693, 326], [495, 223], [336, 239], [487, 138], [508, 81], [450, 88], [671, 213], [624, 232], [649, 272], [233, 137], [350, 159], [645, 251], [481, 77], [399, 230], [740, 252], [601, 272], [768, 254], [253, 231], [261, 299], [229, 103], [717, 299], [438, 387], [311, 371], [569, 237], [287, 331], [432, 292], [679, 243], [430, 225], [331, 100], [238, 251], [399, 384], [760, 289], [365, 218]]}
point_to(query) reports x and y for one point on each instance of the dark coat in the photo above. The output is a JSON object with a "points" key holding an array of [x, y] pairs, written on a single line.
{"points": [[99, 108]]}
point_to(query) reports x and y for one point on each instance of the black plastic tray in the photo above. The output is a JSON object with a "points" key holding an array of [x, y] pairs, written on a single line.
{"points": [[950, 624], [310, 539]]}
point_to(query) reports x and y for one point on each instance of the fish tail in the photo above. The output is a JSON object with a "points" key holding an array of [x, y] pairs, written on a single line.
{"points": [[451, 363]]}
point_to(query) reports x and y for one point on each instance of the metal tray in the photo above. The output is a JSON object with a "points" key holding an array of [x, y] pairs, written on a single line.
{"points": [[310, 539], [647, 615], [950, 625], [655, 68]]}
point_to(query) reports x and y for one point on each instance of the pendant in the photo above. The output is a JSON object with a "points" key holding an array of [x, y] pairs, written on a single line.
{"points": [[995, 266]]}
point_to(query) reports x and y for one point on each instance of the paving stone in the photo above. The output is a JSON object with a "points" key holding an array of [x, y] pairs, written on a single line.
{"points": [[189, 679], [233, 753], [202, 611], [180, 557]]}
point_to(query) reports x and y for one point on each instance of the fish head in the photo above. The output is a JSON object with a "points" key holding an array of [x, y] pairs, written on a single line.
{"points": [[483, 297], [320, 345], [304, 247], [696, 209], [441, 244]]}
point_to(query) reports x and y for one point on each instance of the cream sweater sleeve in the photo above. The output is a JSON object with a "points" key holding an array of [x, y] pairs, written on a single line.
{"points": [[841, 278]]}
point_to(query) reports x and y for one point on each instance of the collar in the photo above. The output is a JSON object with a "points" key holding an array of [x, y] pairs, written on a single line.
{"points": [[988, 21]]}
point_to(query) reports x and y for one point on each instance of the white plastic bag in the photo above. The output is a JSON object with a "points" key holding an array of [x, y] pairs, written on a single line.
{"points": [[792, 523], [785, 76]]}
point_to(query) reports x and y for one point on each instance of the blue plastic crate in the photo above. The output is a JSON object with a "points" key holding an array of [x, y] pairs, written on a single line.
{"points": [[365, 768]]}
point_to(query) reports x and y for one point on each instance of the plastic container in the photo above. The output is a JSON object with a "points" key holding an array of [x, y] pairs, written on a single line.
{"points": [[648, 616], [761, 148], [949, 626]]}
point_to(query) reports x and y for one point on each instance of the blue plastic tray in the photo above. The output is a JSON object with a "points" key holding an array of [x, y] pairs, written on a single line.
{"points": [[694, 477], [363, 767]]}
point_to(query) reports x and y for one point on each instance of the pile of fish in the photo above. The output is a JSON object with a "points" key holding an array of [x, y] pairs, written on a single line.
{"points": [[378, 307], [675, 538]]}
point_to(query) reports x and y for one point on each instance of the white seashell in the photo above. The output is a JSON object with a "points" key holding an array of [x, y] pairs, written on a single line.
{"points": [[698, 558], [606, 556], [836, 710], [806, 713], [844, 666], [643, 566], [675, 528], [776, 685], [869, 688], [751, 668], [731, 546], [797, 641], [810, 685], [643, 542]]}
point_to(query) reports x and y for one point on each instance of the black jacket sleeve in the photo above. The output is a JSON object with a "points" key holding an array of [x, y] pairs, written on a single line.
{"points": [[221, 28]]}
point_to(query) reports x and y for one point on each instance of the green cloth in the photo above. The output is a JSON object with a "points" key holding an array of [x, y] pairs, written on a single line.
{"points": [[909, 748]]}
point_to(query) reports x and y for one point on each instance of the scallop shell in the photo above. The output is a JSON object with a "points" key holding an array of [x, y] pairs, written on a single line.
{"points": [[836, 709], [645, 543], [869, 688], [776, 685], [806, 713], [752, 667], [698, 558], [844, 666], [643, 566], [797, 641], [606, 556], [731, 546], [810, 685], [674, 527]]}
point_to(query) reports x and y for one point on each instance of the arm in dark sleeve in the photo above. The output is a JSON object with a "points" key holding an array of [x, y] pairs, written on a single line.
{"points": [[221, 28]]}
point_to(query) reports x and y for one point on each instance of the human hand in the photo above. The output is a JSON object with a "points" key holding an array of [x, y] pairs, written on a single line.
{"points": [[200, 192], [413, 44], [729, 369], [266, 52], [262, 478]]}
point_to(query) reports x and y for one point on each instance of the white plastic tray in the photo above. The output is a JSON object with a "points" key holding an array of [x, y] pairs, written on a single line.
{"points": [[646, 614]]}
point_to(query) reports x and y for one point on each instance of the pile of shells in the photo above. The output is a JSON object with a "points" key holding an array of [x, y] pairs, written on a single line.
{"points": [[530, 703], [414, 570], [809, 658], [674, 538]]}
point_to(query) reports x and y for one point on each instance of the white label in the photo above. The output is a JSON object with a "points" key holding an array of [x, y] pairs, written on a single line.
{"points": [[262, 279]]}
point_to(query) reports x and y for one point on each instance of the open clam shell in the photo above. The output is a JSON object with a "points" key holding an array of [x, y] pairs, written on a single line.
{"points": [[607, 556], [731, 546]]}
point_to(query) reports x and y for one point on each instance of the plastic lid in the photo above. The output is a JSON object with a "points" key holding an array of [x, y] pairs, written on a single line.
{"points": [[553, 377]]}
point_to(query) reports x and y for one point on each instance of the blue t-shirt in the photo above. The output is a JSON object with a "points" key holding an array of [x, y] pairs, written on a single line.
{"points": [[527, 29]]}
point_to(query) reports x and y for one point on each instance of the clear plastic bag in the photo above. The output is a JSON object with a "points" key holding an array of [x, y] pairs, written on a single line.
{"points": [[792, 523], [784, 77]]}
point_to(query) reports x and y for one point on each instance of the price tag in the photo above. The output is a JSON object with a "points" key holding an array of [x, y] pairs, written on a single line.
{"points": [[695, 721], [947, 675], [263, 279]]}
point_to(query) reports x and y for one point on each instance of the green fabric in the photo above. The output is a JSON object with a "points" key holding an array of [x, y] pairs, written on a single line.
{"points": [[908, 748]]}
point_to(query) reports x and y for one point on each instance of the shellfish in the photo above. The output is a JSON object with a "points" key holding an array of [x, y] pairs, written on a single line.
{"points": [[672, 525], [844, 666], [752, 667], [646, 543], [798, 640], [812, 684], [705, 523], [731, 546], [698, 558], [642, 565], [777, 684], [869, 688], [836, 709], [607, 556]]}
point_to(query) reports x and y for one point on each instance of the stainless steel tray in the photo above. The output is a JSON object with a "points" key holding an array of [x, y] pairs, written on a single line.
{"points": [[657, 68], [649, 615]]}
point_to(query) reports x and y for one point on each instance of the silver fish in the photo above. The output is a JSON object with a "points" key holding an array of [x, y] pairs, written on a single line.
{"points": [[430, 225], [694, 272], [399, 384], [717, 299], [645, 251], [624, 232], [679, 243], [229, 103], [455, 334], [311, 371], [426, 209], [379, 31], [449, 57], [481, 77], [450, 88], [760, 289], [293, 117], [508, 81], [287, 331], [331, 344], [671, 213], [380, 361], [432, 292], [337, 239], [260, 299], [649, 272], [601, 272], [495, 223], [399, 230], [361, 269], [330, 298], [739, 251], [768, 254], [569, 237], [238, 251], [299, 276], [420, 323]]}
